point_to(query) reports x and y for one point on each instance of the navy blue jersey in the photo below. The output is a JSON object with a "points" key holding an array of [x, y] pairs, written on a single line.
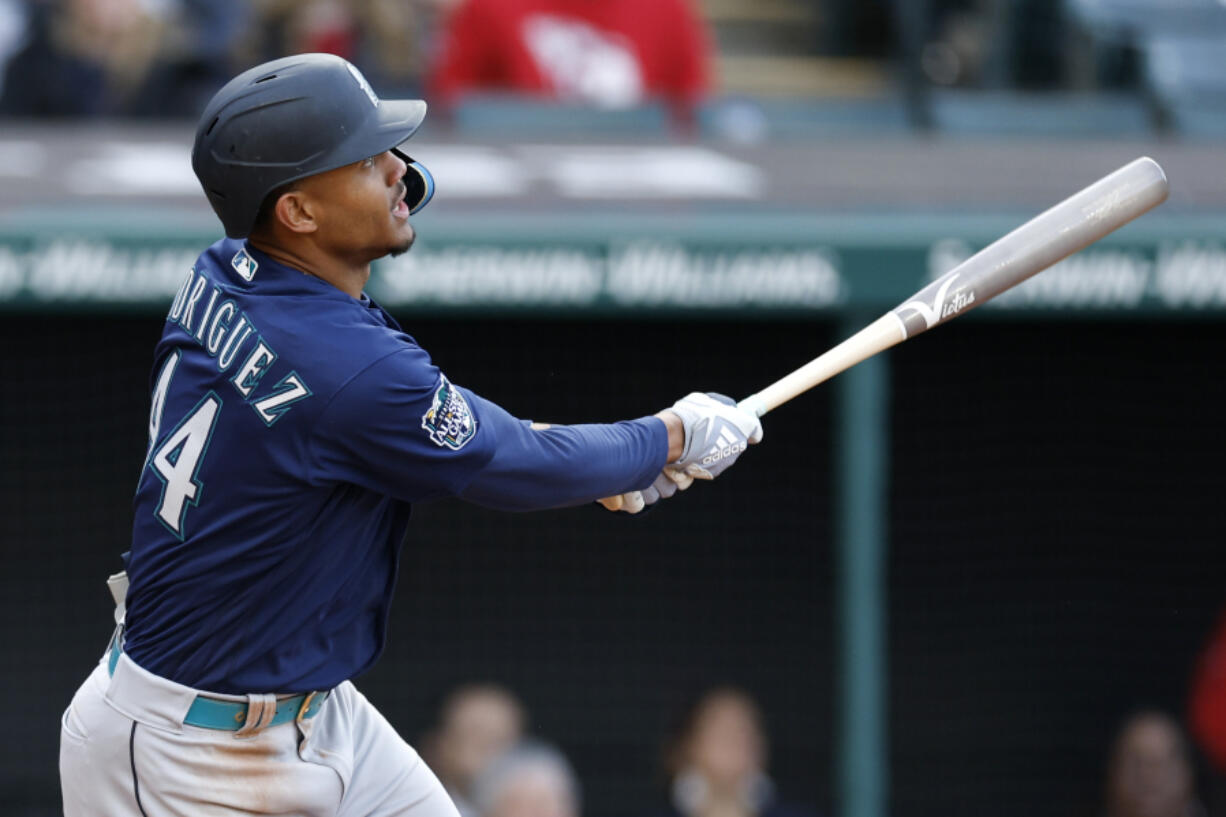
{"points": [[291, 428]]}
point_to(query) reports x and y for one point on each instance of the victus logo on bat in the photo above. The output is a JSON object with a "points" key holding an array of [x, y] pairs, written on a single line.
{"points": [[944, 303], [956, 303]]}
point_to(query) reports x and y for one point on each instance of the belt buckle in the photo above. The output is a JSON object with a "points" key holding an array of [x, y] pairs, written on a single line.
{"points": [[306, 705]]}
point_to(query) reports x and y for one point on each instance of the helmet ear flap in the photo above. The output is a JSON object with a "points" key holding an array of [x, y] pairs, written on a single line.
{"points": [[418, 182]]}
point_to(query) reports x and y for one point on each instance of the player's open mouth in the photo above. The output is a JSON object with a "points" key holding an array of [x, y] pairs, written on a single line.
{"points": [[400, 209]]}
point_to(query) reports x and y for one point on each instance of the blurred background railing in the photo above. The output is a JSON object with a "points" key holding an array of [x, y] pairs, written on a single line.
{"points": [[948, 579]]}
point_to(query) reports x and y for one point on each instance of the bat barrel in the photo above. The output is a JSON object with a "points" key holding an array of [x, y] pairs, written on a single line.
{"points": [[1075, 223], [1078, 221]]}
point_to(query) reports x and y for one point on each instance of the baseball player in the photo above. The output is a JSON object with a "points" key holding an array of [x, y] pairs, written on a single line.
{"points": [[292, 426]]}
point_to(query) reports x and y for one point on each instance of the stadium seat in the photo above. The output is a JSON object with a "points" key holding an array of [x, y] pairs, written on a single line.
{"points": [[998, 113], [518, 116], [1183, 45], [745, 119], [1187, 73]]}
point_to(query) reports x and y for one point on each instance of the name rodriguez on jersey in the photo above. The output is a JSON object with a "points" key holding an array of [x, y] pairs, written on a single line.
{"points": [[225, 332]]}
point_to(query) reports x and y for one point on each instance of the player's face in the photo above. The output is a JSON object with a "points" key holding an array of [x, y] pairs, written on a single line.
{"points": [[360, 209]]}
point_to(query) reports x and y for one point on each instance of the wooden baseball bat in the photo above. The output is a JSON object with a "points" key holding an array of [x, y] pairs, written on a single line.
{"points": [[1075, 223]]}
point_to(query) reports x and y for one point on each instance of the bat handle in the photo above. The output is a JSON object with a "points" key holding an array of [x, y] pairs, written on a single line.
{"points": [[878, 335], [754, 405]]}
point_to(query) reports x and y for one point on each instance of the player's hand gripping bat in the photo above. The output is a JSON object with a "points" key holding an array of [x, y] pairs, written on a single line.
{"points": [[1076, 222]]}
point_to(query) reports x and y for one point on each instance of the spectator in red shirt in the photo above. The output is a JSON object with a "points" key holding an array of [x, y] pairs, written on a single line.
{"points": [[603, 53], [1207, 707]]}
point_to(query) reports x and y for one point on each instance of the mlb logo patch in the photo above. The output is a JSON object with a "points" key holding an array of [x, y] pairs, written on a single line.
{"points": [[244, 265], [449, 421]]}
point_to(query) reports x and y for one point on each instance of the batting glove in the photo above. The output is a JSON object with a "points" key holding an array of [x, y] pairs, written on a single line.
{"points": [[716, 433], [668, 482]]}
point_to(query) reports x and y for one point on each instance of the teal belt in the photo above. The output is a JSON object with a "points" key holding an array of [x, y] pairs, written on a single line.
{"points": [[214, 713]]}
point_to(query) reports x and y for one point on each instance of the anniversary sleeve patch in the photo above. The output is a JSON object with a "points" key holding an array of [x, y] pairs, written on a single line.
{"points": [[449, 421]]}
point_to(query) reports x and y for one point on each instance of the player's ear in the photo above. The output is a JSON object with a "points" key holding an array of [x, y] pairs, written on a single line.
{"points": [[296, 212]]}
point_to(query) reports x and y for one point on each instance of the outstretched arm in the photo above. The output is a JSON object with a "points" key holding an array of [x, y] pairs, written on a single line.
{"points": [[537, 467]]}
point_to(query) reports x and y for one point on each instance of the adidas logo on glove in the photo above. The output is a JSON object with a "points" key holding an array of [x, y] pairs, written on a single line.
{"points": [[728, 446]]}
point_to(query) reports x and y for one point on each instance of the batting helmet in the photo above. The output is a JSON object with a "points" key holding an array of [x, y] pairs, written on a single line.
{"points": [[292, 118]]}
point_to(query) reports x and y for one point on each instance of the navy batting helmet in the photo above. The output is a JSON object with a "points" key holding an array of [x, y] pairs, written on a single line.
{"points": [[291, 118]]}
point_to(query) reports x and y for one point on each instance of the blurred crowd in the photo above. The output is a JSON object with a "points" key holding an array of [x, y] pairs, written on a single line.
{"points": [[165, 58], [713, 765]]}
